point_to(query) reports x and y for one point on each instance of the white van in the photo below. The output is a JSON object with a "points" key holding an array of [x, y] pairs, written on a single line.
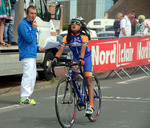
{"points": [[101, 25], [9, 55]]}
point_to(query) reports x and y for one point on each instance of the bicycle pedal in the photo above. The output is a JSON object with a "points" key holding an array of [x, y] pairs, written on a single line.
{"points": [[87, 115]]}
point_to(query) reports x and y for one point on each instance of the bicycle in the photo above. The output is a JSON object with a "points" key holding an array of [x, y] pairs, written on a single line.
{"points": [[72, 94]]}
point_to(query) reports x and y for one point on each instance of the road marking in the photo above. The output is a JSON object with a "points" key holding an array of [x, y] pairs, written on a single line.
{"points": [[13, 107], [104, 98], [132, 80], [126, 99], [10, 108], [53, 97], [129, 101], [108, 97], [113, 98], [129, 98]]}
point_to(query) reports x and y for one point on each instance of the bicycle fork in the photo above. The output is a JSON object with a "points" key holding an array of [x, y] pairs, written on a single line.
{"points": [[65, 92]]}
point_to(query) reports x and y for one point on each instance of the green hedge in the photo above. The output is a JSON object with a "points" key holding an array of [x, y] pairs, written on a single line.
{"points": [[65, 27]]}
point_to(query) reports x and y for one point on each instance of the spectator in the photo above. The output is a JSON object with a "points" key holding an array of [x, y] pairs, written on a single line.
{"points": [[8, 29], [141, 26], [28, 48], [5, 15], [125, 25], [133, 22], [116, 25]]}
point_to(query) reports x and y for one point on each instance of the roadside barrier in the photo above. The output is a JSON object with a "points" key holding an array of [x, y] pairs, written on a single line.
{"points": [[116, 55]]}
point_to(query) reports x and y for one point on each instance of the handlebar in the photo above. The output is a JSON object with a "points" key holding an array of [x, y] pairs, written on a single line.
{"points": [[67, 62]]}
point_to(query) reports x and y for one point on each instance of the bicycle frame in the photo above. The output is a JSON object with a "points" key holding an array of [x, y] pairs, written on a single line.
{"points": [[71, 72], [73, 96], [80, 96]]}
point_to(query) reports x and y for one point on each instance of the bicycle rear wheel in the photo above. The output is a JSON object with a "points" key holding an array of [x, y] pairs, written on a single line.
{"points": [[97, 100], [65, 103]]}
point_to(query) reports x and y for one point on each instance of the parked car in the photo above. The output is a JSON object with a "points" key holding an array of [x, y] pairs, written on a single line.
{"points": [[63, 33], [106, 35]]}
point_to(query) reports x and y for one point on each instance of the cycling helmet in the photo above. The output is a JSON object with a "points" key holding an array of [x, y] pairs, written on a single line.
{"points": [[82, 21], [83, 30], [141, 17]]}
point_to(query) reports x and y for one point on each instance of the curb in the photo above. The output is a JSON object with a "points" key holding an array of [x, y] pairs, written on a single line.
{"points": [[38, 86], [45, 84]]}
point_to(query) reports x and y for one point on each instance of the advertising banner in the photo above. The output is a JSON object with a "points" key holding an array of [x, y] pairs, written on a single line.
{"points": [[128, 52], [143, 55], [104, 54], [112, 54]]}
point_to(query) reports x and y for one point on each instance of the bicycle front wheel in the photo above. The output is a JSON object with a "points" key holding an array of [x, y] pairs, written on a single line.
{"points": [[65, 103], [97, 99]]}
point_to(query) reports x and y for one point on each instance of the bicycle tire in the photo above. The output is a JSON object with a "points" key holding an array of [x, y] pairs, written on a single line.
{"points": [[97, 100], [65, 103], [79, 81]]}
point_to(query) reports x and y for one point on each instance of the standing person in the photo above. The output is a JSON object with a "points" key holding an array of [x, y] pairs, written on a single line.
{"points": [[8, 29], [28, 48], [116, 25], [77, 39], [141, 26], [5, 15], [133, 22], [125, 25]]}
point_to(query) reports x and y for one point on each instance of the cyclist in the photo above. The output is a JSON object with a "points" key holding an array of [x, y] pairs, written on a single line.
{"points": [[141, 26], [77, 38]]}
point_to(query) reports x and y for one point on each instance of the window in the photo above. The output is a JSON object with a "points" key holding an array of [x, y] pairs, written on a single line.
{"points": [[109, 28], [38, 8], [97, 23], [41, 9]]}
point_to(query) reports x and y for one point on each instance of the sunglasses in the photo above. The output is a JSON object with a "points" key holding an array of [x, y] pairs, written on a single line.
{"points": [[76, 22], [141, 20]]}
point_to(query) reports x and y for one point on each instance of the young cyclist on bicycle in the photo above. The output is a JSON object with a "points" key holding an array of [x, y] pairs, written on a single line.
{"points": [[77, 39]]}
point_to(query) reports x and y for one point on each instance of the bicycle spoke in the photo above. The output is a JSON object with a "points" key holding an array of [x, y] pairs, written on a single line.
{"points": [[96, 100], [65, 103]]}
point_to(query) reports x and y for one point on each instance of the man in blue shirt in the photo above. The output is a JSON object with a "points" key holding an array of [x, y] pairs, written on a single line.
{"points": [[28, 48]]}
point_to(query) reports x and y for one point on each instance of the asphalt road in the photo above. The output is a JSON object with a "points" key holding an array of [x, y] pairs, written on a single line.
{"points": [[125, 104]]}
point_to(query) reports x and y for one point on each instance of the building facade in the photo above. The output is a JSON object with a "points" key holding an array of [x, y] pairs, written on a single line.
{"points": [[88, 9], [141, 7]]}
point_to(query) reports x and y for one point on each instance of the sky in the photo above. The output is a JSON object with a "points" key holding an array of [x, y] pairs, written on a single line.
{"points": [[108, 4]]}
